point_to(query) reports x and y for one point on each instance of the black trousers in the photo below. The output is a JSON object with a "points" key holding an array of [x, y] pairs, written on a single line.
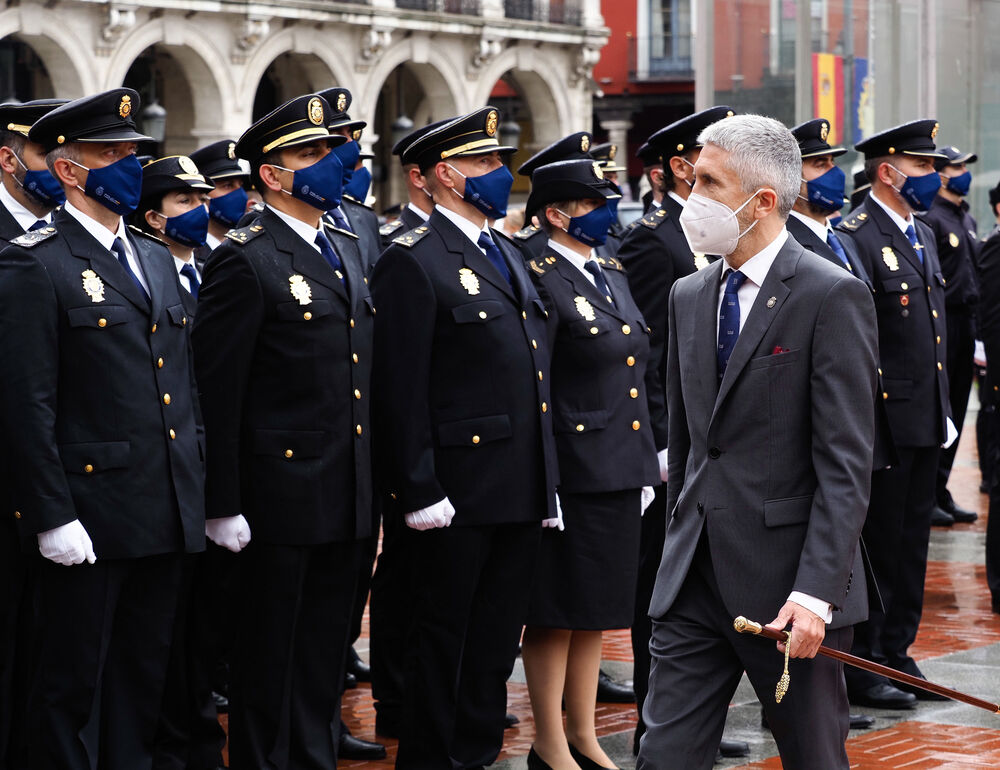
{"points": [[14, 625], [697, 662], [650, 552], [961, 348], [287, 670], [470, 593], [103, 636], [896, 533], [986, 438]]}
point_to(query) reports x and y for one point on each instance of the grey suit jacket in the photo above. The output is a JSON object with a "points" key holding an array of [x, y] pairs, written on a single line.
{"points": [[777, 466]]}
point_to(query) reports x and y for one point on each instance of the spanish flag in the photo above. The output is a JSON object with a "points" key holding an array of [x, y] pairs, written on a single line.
{"points": [[828, 93]]}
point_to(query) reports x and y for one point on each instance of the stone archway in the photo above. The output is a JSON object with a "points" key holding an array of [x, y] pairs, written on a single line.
{"points": [[67, 68]]}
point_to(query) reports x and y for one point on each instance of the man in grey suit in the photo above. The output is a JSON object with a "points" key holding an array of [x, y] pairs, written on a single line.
{"points": [[771, 374]]}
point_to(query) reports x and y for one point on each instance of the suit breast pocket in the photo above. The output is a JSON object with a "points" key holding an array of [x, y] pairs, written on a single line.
{"points": [[775, 359], [480, 312], [99, 316], [296, 312]]}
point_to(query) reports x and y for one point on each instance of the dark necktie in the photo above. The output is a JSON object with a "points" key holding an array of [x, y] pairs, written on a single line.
{"points": [[340, 219], [729, 320], [911, 236], [119, 249], [494, 255], [838, 248], [188, 272], [38, 225], [602, 285], [326, 249]]}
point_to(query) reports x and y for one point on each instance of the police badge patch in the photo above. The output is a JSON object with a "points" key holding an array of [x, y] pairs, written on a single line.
{"points": [[584, 308], [93, 285], [469, 280], [301, 290]]}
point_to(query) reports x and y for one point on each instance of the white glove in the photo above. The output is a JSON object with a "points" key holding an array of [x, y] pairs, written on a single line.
{"points": [[67, 545], [951, 433], [432, 517], [979, 356], [555, 522], [647, 496], [232, 532], [661, 456]]}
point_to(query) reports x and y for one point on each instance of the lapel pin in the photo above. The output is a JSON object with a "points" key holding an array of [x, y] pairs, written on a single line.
{"points": [[772, 301]]}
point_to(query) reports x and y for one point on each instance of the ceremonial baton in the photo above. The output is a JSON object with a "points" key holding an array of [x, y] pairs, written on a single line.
{"points": [[745, 626]]}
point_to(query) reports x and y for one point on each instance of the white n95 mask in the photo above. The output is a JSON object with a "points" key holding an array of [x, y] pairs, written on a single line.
{"points": [[710, 226]]}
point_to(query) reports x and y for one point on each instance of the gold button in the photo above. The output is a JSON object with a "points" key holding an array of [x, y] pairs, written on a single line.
{"points": [[885, 395], [17, 514], [594, 330], [579, 429], [289, 453], [634, 393], [939, 339], [357, 394], [392, 495], [366, 281], [534, 344], [880, 371], [102, 322], [934, 313], [635, 425], [904, 286], [88, 468], [159, 363], [940, 368], [524, 315], [540, 378], [358, 430], [630, 360], [626, 329], [352, 323], [354, 357], [475, 439], [482, 314], [172, 434], [545, 407], [184, 321], [307, 315], [153, 330], [166, 398], [546, 313]]}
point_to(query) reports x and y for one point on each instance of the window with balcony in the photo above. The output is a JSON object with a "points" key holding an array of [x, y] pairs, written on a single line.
{"points": [[662, 47]]}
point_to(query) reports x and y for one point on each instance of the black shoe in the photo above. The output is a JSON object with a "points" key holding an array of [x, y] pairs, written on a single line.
{"points": [[350, 681], [941, 517], [356, 748], [960, 515], [535, 762], [734, 748], [509, 720], [221, 702], [921, 694], [610, 691], [861, 721], [585, 762], [883, 696], [361, 670]]}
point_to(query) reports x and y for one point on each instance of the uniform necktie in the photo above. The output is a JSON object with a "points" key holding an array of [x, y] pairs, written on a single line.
{"points": [[326, 249], [838, 248], [494, 255], [188, 272], [729, 320], [38, 225], [911, 236], [340, 219], [119, 249], [602, 285]]}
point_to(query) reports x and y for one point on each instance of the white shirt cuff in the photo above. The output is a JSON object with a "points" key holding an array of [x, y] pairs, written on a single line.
{"points": [[814, 605]]}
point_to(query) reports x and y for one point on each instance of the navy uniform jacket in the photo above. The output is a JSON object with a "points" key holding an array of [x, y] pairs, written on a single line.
{"points": [[364, 223], [9, 228], [462, 380], [532, 241], [99, 393], [599, 354], [283, 354], [989, 299], [910, 306], [958, 251], [655, 254], [406, 221]]}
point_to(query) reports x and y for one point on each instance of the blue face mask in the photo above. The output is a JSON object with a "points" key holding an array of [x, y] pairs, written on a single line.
{"points": [[826, 192], [960, 184], [116, 187], [919, 191], [591, 229], [188, 229], [348, 154], [359, 185], [42, 186], [489, 193], [227, 209], [320, 184]]}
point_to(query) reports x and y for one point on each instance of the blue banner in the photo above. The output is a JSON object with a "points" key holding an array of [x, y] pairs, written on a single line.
{"points": [[861, 101]]}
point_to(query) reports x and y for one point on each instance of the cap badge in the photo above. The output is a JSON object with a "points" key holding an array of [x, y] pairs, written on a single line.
{"points": [[824, 132], [315, 111], [300, 290], [491, 123], [597, 170], [584, 143], [934, 131], [953, 240], [584, 308], [612, 152], [469, 280], [890, 258], [341, 102], [93, 285], [231, 151], [187, 165], [357, 135], [125, 108]]}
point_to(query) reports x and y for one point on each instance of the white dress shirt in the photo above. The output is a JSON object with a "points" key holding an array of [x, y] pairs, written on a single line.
{"points": [[819, 229], [107, 239], [212, 242], [305, 231], [578, 261], [677, 198], [469, 229], [419, 212], [185, 281], [901, 223], [21, 215]]}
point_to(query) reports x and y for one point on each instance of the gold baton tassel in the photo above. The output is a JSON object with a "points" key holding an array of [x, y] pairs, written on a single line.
{"points": [[744, 626], [782, 687]]}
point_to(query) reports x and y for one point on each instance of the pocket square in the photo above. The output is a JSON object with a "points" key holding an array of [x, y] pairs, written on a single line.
{"points": [[778, 349]]}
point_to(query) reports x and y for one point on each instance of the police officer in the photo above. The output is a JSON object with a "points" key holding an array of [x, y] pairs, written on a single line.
{"points": [[465, 443], [283, 350], [605, 155], [957, 248], [108, 448], [985, 432], [228, 199], [652, 171], [989, 329], [898, 252]]}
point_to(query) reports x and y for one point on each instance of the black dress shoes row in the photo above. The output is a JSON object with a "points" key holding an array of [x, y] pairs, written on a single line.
{"points": [[361, 670], [610, 691], [948, 513], [883, 696], [351, 747]]}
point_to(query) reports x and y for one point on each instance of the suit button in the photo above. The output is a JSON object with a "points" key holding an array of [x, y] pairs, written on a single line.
{"points": [[102, 322], [579, 428], [88, 468], [482, 314], [153, 330], [357, 394], [939, 366], [352, 323], [594, 330], [636, 425], [358, 430], [626, 329], [715, 453], [289, 453], [166, 398], [475, 439], [939, 339], [159, 363], [879, 372], [545, 407], [534, 345], [524, 315], [17, 514], [173, 435], [904, 286], [885, 395], [184, 321], [634, 393], [354, 357], [307, 316], [934, 313], [540, 378], [630, 360]]}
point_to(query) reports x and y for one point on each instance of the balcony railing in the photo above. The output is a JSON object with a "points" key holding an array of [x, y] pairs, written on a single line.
{"points": [[559, 11], [465, 7], [565, 12], [660, 57]]}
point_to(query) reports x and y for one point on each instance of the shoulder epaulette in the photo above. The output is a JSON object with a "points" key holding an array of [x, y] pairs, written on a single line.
{"points": [[390, 227], [144, 234], [852, 223], [612, 263], [355, 201], [34, 237], [330, 225], [654, 219], [526, 232], [245, 234], [414, 235]]}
